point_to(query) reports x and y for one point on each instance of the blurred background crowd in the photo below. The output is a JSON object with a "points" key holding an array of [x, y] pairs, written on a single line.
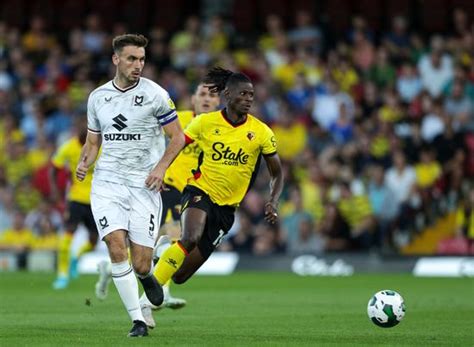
{"points": [[372, 108]]}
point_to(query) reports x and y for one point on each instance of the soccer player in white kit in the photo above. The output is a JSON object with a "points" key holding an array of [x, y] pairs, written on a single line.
{"points": [[128, 116]]}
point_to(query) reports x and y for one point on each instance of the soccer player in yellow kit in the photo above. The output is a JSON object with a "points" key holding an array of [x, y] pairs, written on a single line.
{"points": [[176, 177], [232, 143], [78, 208]]}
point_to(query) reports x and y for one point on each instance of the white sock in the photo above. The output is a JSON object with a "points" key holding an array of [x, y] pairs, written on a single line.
{"points": [[145, 302], [166, 291], [127, 287]]}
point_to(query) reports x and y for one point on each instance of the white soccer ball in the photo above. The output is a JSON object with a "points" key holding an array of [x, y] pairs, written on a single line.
{"points": [[386, 308]]}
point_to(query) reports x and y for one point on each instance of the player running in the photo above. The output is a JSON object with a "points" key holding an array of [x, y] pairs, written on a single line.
{"points": [[232, 143], [128, 116], [78, 207], [203, 100]]}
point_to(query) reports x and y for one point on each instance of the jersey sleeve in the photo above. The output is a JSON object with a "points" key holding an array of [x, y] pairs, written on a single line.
{"points": [[193, 130], [93, 124], [268, 145], [166, 111], [60, 158]]}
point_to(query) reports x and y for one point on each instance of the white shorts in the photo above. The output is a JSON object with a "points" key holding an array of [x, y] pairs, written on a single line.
{"points": [[137, 210]]}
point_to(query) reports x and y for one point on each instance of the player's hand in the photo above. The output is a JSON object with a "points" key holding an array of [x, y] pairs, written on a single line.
{"points": [[271, 215], [81, 170], [154, 181]]}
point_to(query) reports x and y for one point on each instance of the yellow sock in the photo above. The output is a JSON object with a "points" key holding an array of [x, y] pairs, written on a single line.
{"points": [[87, 247], [170, 261], [64, 255]]}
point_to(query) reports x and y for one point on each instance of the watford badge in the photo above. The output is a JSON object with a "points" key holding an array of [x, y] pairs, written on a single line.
{"points": [[250, 135]]}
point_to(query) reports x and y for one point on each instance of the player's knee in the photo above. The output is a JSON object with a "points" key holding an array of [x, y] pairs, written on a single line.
{"points": [[142, 269], [118, 254], [190, 240], [189, 244], [180, 278]]}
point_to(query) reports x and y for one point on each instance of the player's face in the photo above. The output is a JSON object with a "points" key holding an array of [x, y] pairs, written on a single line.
{"points": [[130, 62], [240, 97], [203, 100]]}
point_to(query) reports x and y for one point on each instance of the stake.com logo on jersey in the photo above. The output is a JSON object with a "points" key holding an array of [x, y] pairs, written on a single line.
{"points": [[229, 156]]}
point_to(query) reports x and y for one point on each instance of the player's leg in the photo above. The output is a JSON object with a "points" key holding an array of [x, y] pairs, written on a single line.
{"points": [[153, 294], [145, 215], [105, 277], [93, 238], [219, 222], [171, 206], [193, 223], [191, 264], [125, 280], [142, 259], [64, 247], [111, 209], [87, 219], [168, 202], [164, 242]]}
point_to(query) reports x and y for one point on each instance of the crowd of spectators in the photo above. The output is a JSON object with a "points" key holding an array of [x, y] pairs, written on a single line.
{"points": [[375, 130]]}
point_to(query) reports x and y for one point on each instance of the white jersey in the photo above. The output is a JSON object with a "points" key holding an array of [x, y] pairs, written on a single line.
{"points": [[130, 122]]}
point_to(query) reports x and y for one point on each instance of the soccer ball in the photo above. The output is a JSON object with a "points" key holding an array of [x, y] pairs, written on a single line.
{"points": [[386, 308]]}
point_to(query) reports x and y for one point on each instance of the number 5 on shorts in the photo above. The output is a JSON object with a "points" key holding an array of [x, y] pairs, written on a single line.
{"points": [[152, 225]]}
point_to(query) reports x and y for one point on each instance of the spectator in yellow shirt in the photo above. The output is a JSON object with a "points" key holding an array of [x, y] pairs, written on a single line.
{"points": [[18, 238], [290, 134], [428, 170], [357, 212], [16, 162], [48, 238]]}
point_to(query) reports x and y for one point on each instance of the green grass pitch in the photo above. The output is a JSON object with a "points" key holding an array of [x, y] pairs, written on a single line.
{"points": [[245, 309]]}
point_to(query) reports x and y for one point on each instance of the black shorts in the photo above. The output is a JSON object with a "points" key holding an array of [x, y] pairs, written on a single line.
{"points": [[219, 218], [171, 201], [80, 213]]}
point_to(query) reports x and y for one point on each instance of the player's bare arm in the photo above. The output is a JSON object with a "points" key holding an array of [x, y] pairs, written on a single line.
{"points": [[89, 153], [174, 131], [276, 187]]}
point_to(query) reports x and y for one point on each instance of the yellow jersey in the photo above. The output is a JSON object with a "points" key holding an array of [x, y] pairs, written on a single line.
{"points": [[291, 140], [180, 169], [355, 209], [230, 155], [68, 155], [427, 173]]}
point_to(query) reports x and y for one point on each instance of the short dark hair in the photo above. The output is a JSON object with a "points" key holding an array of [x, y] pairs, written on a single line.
{"points": [[119, 42], [218, 79]]}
